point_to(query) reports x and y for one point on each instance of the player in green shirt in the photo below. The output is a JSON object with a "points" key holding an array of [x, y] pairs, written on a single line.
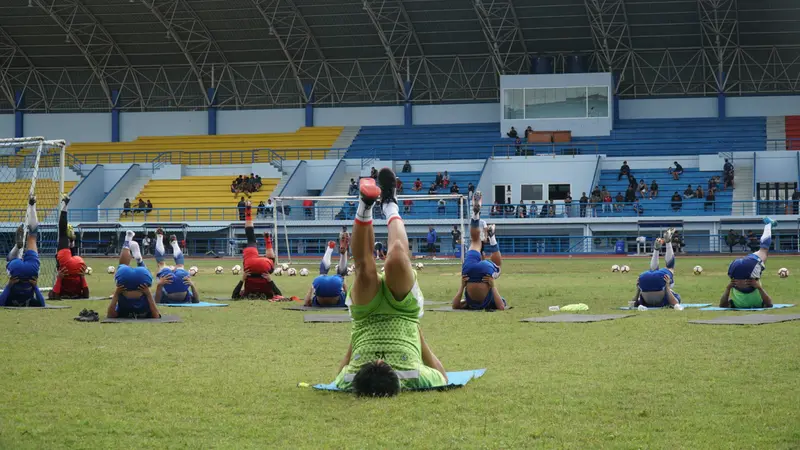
{"points": [[745, 290], [387, 351]]}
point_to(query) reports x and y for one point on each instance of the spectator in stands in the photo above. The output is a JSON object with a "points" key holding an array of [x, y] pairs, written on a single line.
{"points": [[522, 211], [470, 191], [528, 131], [417, 186], [518, 146], [698, 193], [431, 239], [439, 181], [146, 245], [269, 209], [441, 206], [287, 210], [568, 205], [432, 190], [731, 239], [584, 201], [126, 207], [713, 183], [632, 181], [454, 188], [455, 236], [677, 201], [727, 175], [352, 209], [637, 208], [446, 180], [399, 186], [796, 201], [512, 133], [630, 194], [677, 171], [607, 202], [688, 193], [545, 211], [308, 209], [258, 183], [711, 198], [653, 190], [353, 188], [407, 167], [642, 188], [604, 192], [596, 192], [141, 207], [552, 209], [241, 206], [534, 209], [595, 201], [373, 173], [727, 167], [407, 203], [619, 200], [261, 211], [624, 170], [149, 206], [234, 188]]}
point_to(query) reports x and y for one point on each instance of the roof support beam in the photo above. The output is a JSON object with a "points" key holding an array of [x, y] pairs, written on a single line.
{"points": [[9, 50], [296, 40], [719, 28], [608, 21], [503, 35], [390, 20]]}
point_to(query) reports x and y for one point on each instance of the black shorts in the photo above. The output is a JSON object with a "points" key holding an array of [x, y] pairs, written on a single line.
{"points": [[431, 247]]}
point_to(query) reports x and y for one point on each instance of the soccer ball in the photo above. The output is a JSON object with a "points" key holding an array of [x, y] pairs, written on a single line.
{"points": [[193, 270], [219, 270], [292, 272], [277, 272], [783, 272], [236, 269], [615, 268], [303, 272], [351, 270], [625, 269], [284, 267], [420, 266], [88, 271], [698, 270], [111, 269]]}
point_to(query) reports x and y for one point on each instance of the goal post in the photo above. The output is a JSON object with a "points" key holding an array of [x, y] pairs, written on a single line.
{"points": [[437, 210], [32, 166]]}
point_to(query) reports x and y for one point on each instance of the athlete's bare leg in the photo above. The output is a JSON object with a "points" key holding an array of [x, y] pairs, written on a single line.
{"points": [[399, 273], [366, 283]]}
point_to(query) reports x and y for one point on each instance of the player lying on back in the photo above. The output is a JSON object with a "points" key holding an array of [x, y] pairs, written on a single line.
{"points": [[329, 290], [23, 273], [744, 290], [387, 351], [477, 289], [654, 287], [132, 298], [71, 280], [256, 281], [174, 285]]}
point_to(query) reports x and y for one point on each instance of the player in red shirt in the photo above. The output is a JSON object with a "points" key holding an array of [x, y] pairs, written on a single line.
{"points": [[256, 281], [71, 281]]}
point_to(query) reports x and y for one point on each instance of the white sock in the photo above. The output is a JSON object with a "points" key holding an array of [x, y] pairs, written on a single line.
{"points": [[177, 253], [13, 254], [33, 221], [364, 213], [654, 260], [492, 240], [390, 209], [128, 239], [136, 253], [326, 259]]}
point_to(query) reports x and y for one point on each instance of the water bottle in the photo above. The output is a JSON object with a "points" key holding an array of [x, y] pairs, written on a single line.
{"points": [[554, 308]]}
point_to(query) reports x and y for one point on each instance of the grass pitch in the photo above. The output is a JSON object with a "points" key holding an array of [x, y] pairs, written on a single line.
{"points": [[227, 377]]}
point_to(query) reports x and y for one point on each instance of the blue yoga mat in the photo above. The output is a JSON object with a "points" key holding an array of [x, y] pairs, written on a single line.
{"points": [[455, 379], [685, 305], [777, 306], [193, 305]]}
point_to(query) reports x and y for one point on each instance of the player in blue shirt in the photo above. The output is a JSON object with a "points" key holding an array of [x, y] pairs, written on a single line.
{"points": [[23, 273], [330, 290], [174, 285], [478, 290], [654, 287], [744, 289], [133, 297]]}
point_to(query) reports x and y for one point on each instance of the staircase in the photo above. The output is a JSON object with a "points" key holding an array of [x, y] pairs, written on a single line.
{"points": [[340, 187], [743, 192], [343, 142], [776, 133]]}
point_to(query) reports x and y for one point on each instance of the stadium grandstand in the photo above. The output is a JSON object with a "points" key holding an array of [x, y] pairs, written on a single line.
{"points": [[592, 128]]}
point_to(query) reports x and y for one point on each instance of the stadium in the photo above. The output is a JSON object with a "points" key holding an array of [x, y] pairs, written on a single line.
{"points": [[585, 150]]}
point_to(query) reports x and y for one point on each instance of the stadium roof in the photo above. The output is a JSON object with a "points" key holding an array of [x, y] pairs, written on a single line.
{"points": [[74, 55]]}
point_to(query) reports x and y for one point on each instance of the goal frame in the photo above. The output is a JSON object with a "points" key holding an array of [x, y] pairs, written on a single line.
{"points": [[461, 199]]}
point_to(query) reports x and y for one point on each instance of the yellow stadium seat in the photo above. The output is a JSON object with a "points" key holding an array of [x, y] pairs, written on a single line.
{"points": [[14, 197], [195, 198]]}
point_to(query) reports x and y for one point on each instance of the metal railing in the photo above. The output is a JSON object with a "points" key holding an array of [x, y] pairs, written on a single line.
{"points": [[542, 149], [210, 157]]}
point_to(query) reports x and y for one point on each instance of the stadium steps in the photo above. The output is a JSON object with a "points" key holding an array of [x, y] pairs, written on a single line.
{"points": [[196, 192], [776, 131], [661, 206], [345, 140], [743, 192]]}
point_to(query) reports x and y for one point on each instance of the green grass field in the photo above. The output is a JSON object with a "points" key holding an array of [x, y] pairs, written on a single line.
{"points": [[227, 377]]}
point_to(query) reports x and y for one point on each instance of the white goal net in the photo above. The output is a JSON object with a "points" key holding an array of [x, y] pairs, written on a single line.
{"points": [[31, 166]]}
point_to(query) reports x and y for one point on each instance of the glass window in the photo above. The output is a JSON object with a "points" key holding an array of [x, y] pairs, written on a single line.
{"points": [[558, 191], [598, 101], [555, 103], [531, 192], [514, 104]]}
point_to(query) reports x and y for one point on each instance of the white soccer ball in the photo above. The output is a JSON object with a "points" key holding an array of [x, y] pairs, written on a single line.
{"points": [[615, 268], [111, 269], [303, 272], [783, 272], [292, 272], [351, 270], [193, 270], [236, 269], [697, 270], [219, 270], [284, 267], [420, 266], [625, 269], [277, 272], [88, 270]]}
